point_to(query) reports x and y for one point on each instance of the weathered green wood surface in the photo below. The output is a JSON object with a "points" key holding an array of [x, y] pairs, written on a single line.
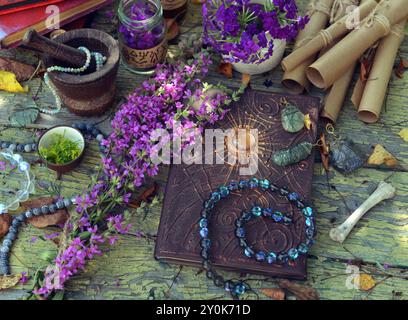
{"points": [[129, 271]]}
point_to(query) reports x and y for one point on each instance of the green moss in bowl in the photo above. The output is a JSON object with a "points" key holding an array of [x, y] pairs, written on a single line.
{"points": [[61, 150]]}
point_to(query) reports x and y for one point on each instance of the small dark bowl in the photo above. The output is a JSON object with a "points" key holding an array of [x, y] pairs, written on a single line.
{"points": [[70, 133]]}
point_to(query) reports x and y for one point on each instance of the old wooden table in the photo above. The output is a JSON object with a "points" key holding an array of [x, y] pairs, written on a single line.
{"points": [[128, 270]]}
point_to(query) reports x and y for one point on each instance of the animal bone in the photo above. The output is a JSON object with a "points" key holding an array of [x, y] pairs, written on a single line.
{"points": [[384, 191]]}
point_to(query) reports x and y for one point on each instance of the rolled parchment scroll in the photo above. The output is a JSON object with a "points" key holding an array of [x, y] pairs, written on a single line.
{"points": [[295, 80], [380, 75], [326, 37], [357, 92], [334, 99], [334, 63]]}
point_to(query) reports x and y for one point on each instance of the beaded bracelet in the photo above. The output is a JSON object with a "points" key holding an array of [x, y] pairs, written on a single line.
{"points": [[18, 221], [27, 185], [99, 60], [237, 288], [85, 128]]}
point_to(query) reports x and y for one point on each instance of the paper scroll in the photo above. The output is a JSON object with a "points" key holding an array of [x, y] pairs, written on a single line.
{"points": [[295, 80], [335, 97], [334, 63], [327, 36], [380, 74]]}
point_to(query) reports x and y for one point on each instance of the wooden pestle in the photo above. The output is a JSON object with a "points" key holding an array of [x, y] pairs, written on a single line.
{"points": [[72, 56]]}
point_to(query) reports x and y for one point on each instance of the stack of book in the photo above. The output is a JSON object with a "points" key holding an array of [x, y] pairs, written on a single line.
{"points": [[16, 17]]}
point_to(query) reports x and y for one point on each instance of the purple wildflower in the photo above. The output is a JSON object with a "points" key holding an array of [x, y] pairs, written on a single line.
{"points": [[24, 278]]}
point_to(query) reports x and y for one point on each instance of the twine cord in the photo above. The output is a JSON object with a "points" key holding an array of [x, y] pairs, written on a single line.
{"points": [[398, 31], [382, 20], [327, 37], [378, 17]]}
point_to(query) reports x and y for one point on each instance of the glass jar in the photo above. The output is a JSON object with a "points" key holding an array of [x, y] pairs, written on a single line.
{"points": [[142, 34], [174, 9]]}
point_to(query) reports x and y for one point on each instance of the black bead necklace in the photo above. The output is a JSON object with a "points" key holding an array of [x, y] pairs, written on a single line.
{"points": [[85, 128], [237, 288]]}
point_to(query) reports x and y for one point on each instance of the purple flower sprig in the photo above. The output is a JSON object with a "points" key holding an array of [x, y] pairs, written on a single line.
{"points": [[174, 97], [92, 226], [243, 31]]}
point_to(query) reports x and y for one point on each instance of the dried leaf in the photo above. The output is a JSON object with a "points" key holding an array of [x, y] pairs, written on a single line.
{"points": [[365, 67], [324, 152], [381, 156], [145, 196], [402, 65], [246, 78], [22, 71], [24, 117], [274, 293], [399, 71], [173, 29], [225, 68], [9, 83], [308, 121], [367, 282], [302, 292], [7, 282], [57, 218], [5, 222], [404, 134]]}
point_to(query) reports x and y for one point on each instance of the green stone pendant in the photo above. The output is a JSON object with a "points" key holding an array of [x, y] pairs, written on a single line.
{"points": [[292, 155], [292, 119]]}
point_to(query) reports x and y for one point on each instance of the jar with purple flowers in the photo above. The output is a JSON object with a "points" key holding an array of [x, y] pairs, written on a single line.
{"points": [[142, 34]]}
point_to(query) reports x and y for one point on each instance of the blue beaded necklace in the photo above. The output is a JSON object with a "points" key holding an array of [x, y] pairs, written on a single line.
{"points": [[237, 288], [99, 60]]}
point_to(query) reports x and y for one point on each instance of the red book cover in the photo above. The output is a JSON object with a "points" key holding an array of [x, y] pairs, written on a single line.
{"points": [[9, 6], [13, 26]]}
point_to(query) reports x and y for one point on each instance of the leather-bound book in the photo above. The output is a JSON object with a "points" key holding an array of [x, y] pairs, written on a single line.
{"points": [[188, 186], [14, 25]]}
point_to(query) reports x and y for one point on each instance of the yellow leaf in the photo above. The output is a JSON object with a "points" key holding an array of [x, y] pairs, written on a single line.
{"points": [[404, 134], [366, 282], [308, 121], [7, 282], [9, 83], [382, 156]]}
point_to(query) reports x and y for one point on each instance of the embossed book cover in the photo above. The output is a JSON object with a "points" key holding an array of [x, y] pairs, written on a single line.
{"points": [[189, 186]]}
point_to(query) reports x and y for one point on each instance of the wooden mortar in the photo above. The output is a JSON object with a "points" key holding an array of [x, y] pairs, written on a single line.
{"points": [[88, 94]]}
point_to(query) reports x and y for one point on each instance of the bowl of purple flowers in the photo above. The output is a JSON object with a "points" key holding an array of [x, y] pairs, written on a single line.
{"points": [[251, 34]]}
